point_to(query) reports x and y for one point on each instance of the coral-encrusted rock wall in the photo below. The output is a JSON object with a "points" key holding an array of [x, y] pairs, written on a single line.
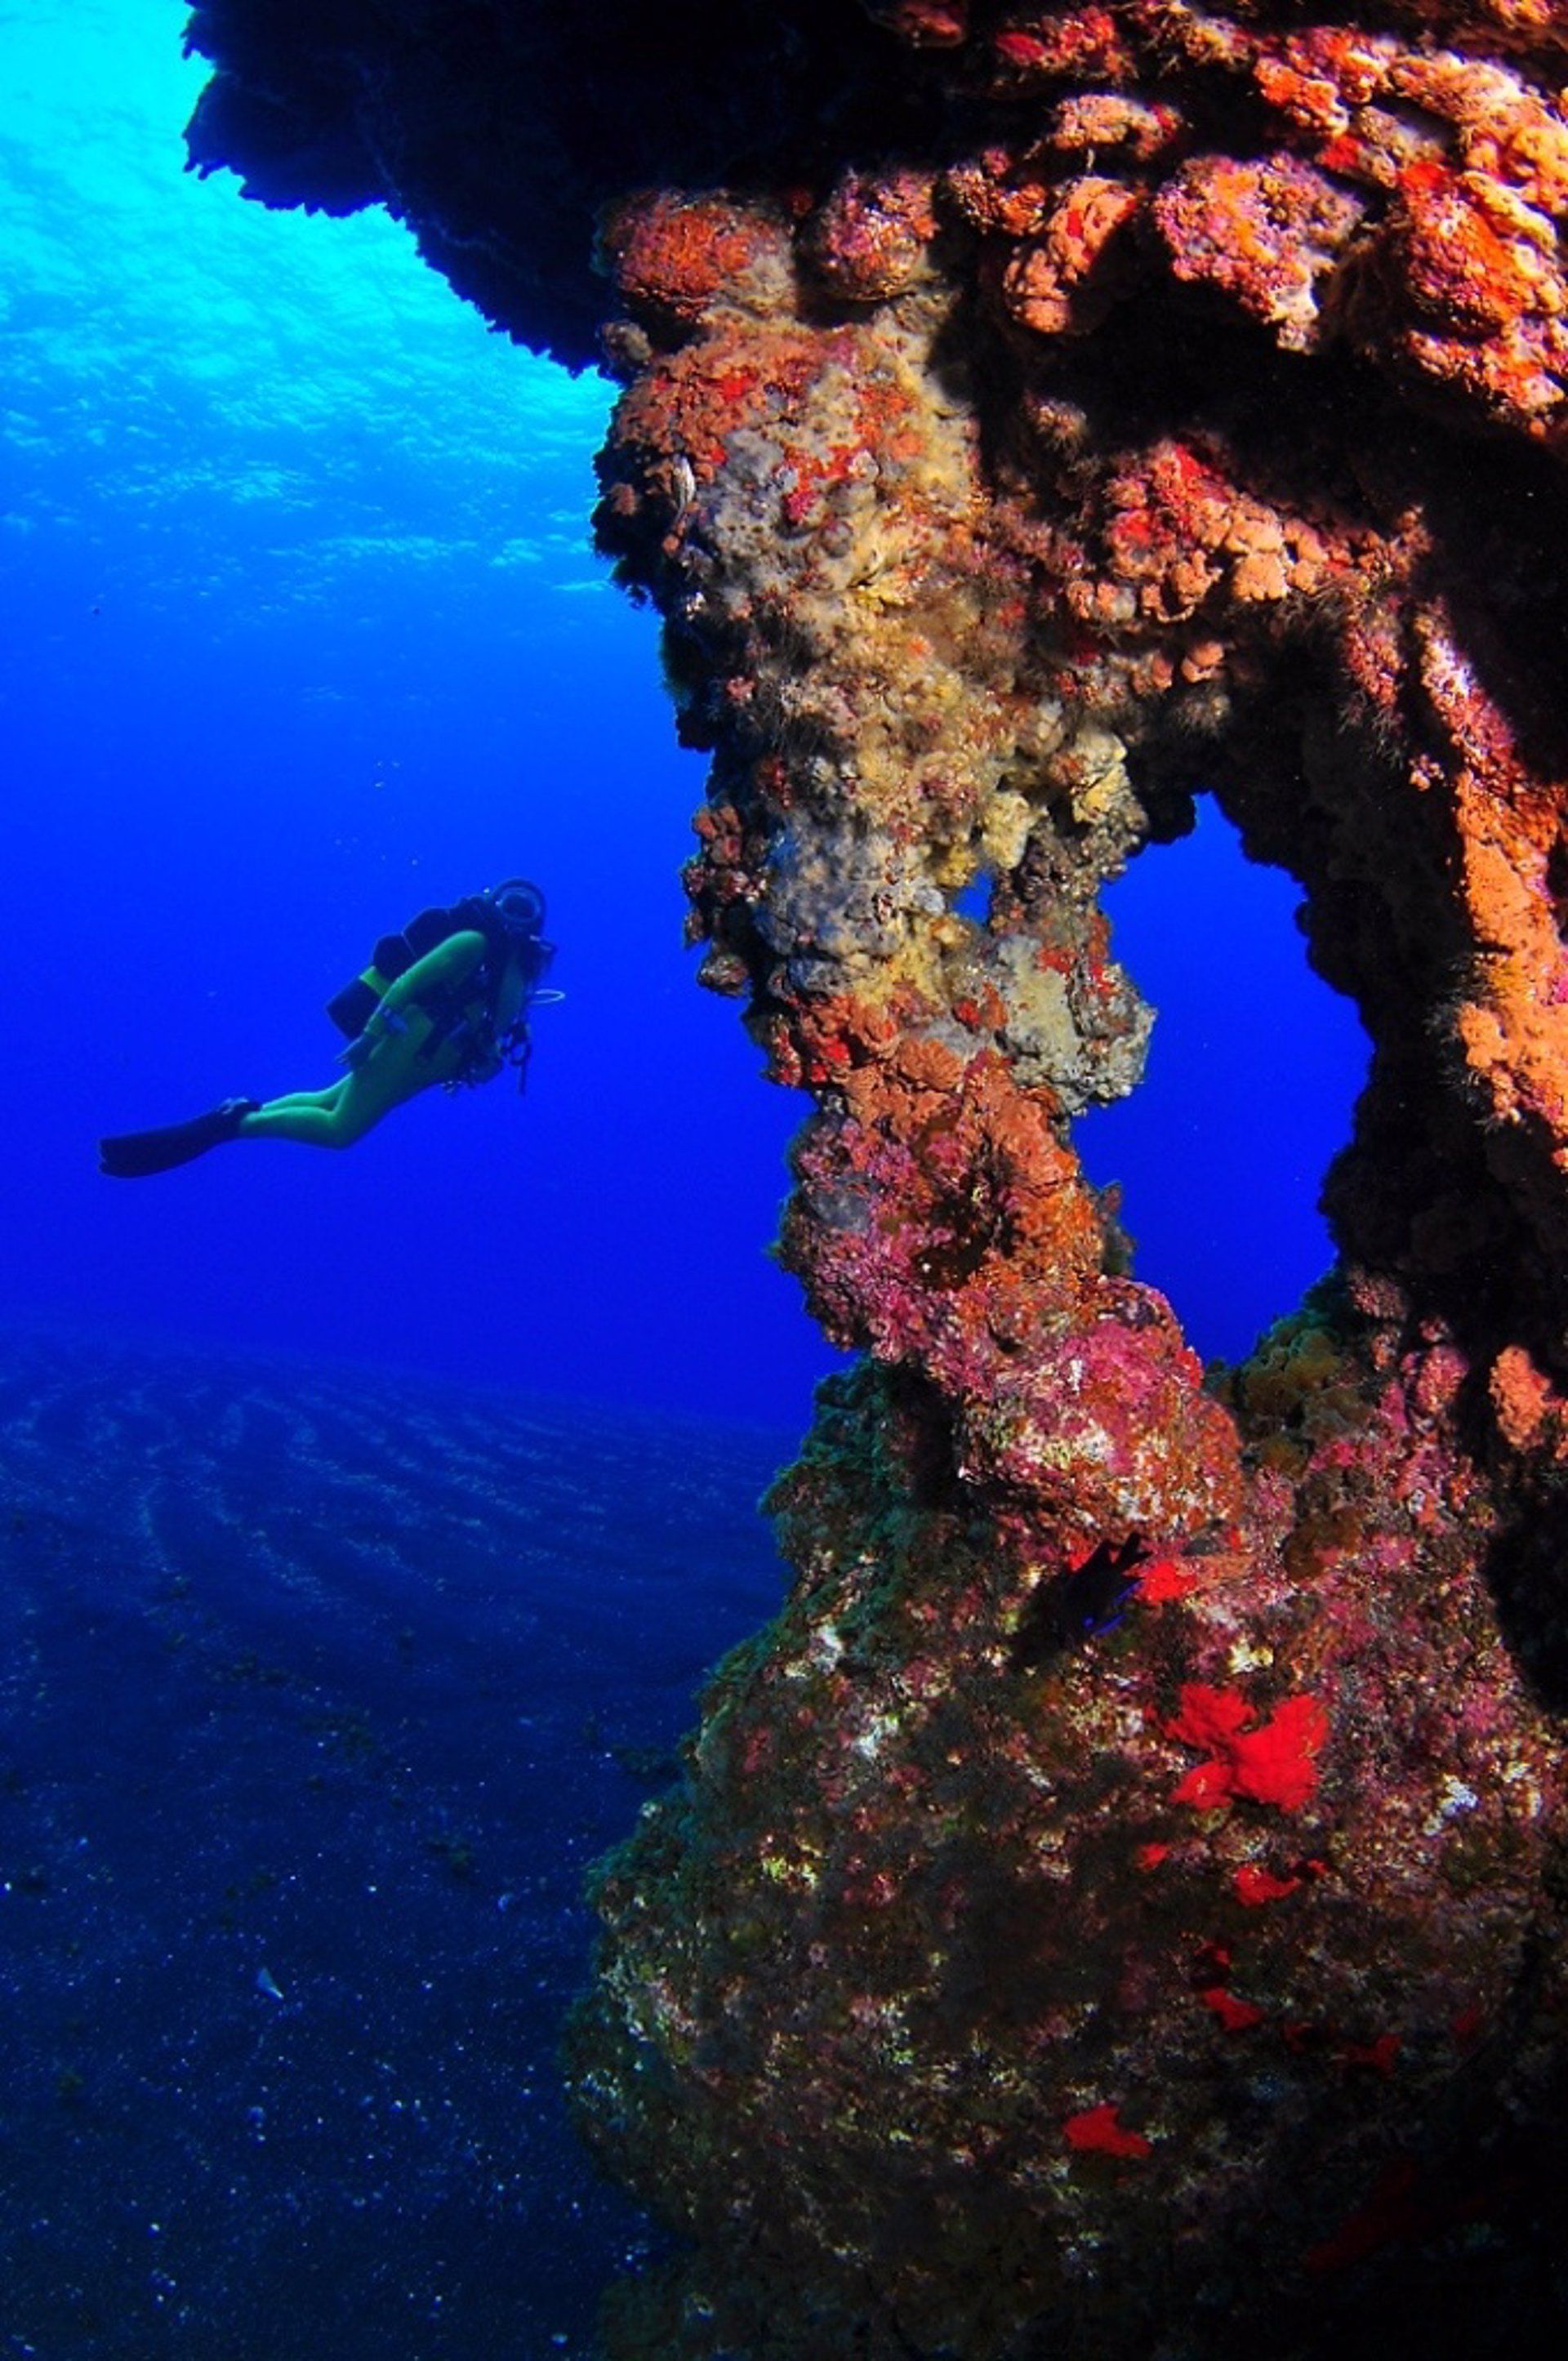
{"points": [[1116, 1909]]}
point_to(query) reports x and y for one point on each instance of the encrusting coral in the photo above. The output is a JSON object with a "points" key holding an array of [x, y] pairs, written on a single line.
{"points": [[1116, 1908]]}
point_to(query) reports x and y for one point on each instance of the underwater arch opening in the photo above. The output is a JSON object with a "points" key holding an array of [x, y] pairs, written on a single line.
{"points": [[1253, 1069]]}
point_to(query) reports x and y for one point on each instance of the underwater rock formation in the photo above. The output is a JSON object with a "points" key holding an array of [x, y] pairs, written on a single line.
{"points": [[1116, 1909]]}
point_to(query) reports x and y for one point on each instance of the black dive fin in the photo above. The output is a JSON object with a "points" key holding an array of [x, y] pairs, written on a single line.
{"points": [[134, 1153]]}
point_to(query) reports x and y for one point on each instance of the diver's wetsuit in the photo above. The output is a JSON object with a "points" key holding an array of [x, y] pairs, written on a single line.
{"points": [[403, 1063]]}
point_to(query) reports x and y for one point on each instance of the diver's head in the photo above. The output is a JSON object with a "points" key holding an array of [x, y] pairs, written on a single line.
{"points": [[519, 906], [515, 909]]}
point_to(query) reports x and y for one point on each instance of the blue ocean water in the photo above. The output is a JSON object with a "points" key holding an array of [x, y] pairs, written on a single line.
{"points": [[302, 632], [1252, 1070]]}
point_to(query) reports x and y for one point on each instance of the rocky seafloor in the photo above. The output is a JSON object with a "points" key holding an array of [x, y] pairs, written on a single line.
{"points": [[1116, 1909]]}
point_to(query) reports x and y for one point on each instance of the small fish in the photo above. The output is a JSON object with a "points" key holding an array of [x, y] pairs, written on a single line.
{"points": [[267, 1983], [1078, 1605]]}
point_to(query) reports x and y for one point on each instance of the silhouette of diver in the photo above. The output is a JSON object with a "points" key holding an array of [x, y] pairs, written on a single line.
{"points": [[446, 1001]]}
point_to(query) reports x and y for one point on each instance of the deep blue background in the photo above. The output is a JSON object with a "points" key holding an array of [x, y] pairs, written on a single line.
{"points": [[300, 631]]}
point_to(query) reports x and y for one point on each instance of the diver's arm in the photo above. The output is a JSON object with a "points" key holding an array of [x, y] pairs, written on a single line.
{"points": [[447, 965]]}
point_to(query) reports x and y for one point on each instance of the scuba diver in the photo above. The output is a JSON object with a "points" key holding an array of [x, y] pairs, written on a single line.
{"points": [[446, 1001]]}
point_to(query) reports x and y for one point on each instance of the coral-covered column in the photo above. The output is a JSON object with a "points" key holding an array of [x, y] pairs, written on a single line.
{"points": [[1096, 1889]]}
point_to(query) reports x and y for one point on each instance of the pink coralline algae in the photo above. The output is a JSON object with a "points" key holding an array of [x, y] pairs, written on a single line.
{"points": [[1116, 1908]]}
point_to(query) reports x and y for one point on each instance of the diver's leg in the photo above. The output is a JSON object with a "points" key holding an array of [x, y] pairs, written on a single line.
{"points": [[337, 1118], [296, 1115], [307, 1098], [288, 1119]]}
